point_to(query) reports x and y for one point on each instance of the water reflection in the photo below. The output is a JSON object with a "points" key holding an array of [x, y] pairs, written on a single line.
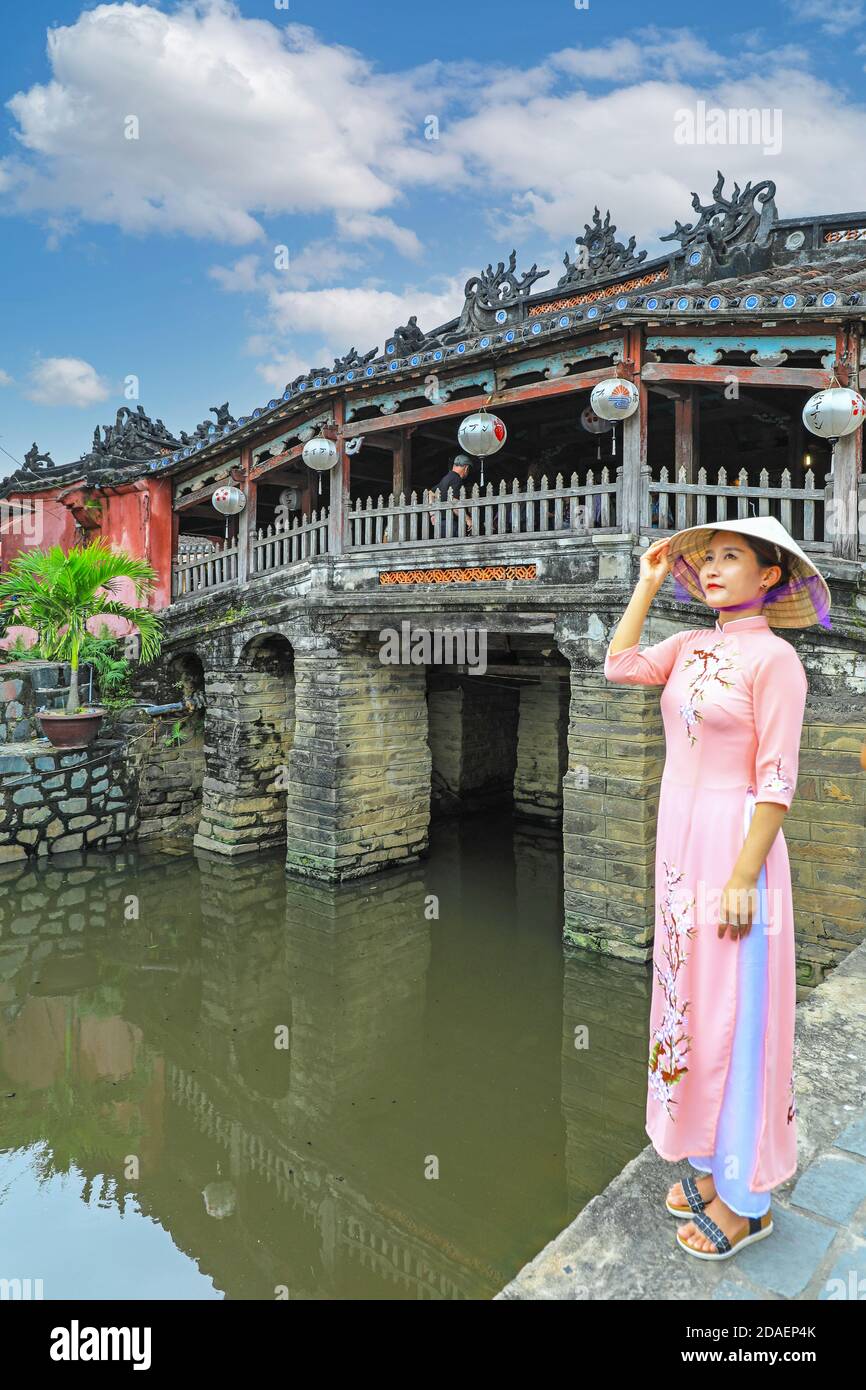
{"points": [[365, 1092]]}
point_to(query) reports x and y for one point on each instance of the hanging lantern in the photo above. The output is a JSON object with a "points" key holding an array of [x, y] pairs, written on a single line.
{"points": [[229, 500], [482, 434], [594, 423], [834, 412], [614, 398], [319, 454]]}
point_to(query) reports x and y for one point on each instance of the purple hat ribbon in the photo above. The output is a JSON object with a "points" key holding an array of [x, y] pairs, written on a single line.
{"points": [[681, 570]]}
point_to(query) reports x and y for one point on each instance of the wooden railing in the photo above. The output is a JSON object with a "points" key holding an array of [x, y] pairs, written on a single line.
{"points": [[212, 567], [276, 547], [671, 506], [527, 512], [521, 512]]}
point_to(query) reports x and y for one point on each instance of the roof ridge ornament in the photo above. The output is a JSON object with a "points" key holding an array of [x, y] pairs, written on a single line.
{"points": [[729, 224], [491, 293], [602, 255]]}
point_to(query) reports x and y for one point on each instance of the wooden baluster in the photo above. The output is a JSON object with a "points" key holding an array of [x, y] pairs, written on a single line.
{"points": [[559, 486], [786, 506]]}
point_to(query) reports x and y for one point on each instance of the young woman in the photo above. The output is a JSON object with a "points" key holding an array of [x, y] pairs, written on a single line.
{"points": [[720, 1078]]}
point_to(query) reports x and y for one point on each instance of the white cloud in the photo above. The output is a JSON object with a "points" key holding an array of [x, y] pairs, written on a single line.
{"points": [[364, 226], [5, 378], [236, 118], [65, 381], [832, 20]]}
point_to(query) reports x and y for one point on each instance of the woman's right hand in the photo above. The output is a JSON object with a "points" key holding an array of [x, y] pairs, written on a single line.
{"points": [[655, 565]]}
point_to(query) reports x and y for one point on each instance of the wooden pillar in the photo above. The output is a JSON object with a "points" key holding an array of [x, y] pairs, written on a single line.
{"points": [[847, 470], [402, 475], [634, 470], [686, 442], [339, 498], [246, 518]]}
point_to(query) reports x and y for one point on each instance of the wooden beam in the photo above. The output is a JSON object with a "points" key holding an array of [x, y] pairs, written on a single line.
{"points": [[514, 395], [402, 470], [805, 377]]}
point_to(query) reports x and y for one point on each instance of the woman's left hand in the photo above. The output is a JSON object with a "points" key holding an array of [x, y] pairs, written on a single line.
{"points": [[737, 905]]}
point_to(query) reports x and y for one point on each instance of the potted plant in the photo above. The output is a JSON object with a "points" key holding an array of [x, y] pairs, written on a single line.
{"points": [[58, 594]]}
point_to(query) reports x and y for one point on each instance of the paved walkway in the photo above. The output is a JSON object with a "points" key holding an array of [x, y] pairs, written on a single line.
{"points": [[623, 1244]]}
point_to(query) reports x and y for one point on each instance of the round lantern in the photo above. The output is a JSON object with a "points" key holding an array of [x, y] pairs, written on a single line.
{"points": [[594, 423], [614, 399], [481, 434], [834, 412], [319, 454], [229, 500]]}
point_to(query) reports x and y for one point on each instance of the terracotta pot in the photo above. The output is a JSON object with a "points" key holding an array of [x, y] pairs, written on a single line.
{"points": [[71, 730]]}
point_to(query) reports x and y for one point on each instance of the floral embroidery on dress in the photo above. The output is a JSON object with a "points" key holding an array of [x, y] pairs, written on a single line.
{"points": [[670, 1043], [714, 664], [776, 782], [792, 1104]]}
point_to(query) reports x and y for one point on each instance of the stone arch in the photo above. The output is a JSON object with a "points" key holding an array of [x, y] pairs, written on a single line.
{"points": [[184, 673]]}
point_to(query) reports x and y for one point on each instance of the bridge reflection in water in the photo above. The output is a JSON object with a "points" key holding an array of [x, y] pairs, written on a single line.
{"points": [[273, 1073]]}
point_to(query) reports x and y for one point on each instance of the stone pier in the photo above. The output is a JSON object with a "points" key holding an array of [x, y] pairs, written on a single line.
{"points": [[248, 737], [358, 797], [542, 746]]}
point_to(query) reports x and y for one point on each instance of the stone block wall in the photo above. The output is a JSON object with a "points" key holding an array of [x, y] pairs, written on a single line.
{"points": [[542, 746], [56, 800], [616, 754], [825, 831], [25, 687], [359, 771], [472, 732], [249, 731], [170, 785]]}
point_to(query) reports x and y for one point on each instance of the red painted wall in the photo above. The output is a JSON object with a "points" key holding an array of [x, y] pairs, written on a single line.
{"points": [[135, 517]]}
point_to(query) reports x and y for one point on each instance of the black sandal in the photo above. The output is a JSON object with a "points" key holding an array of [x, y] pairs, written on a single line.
{"points": [[696, 1202]]}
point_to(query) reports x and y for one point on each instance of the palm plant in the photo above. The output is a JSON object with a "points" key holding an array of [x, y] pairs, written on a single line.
{"points": [[59, 593]]}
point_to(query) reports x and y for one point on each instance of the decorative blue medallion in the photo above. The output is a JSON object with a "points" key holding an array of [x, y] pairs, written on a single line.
{"points": [[829, 299], [536, 328], [789, 301], [683, 303], [650, 304], [501, 315], [622, 302], [696, 257], [751, 301], [461, 347], [393, 366], [485, 342], [509, 336], [332, 381], [437, 355], [593, 313], [368, 371], [714, 302], [414, 361]]}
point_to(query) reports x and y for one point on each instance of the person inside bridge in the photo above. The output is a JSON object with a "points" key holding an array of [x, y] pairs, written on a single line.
{"points": [[456, 477]]}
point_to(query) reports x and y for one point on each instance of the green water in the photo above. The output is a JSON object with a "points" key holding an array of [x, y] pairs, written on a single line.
{"points": [[219, 1083]]}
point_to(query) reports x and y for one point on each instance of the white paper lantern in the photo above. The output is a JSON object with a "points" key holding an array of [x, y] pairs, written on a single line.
{"points": [[482, 434], [319, 454], [229, 500], [834, 412], [594, 423], [615, 398]]}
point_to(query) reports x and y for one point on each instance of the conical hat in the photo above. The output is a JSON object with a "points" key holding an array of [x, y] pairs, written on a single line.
{"points": [[803, 601]]}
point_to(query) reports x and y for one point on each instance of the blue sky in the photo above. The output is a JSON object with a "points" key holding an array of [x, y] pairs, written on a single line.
{"points": [[307, 126]]}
